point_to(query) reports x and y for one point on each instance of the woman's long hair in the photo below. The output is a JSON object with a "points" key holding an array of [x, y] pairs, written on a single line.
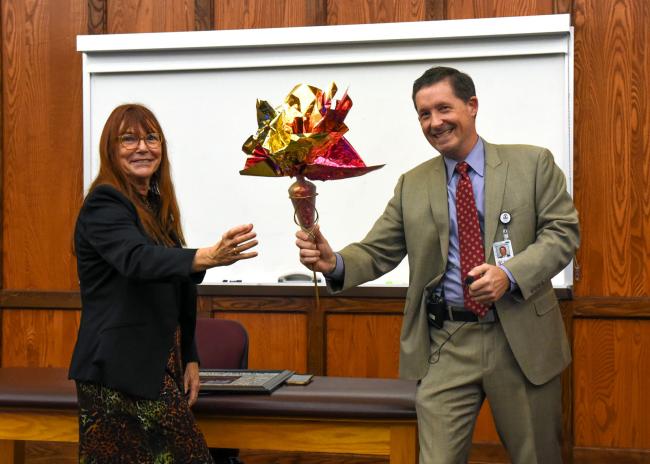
{"points": [[163, 223]]}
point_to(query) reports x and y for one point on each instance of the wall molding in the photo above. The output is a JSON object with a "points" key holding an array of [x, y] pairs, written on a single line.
{"points": [[35, 299], [300, 299], [587, 455], [494, 452], [611, 307]]}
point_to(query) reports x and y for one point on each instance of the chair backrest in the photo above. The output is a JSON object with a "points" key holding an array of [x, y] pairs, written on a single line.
{"points": [[222, 344]]}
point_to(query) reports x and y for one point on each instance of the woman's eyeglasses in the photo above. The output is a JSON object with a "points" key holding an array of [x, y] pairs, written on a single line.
{"points": [[131, 141]]}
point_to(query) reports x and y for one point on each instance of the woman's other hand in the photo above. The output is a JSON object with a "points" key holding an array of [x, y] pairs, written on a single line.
{"points": [[191, 382], [231, 248]]}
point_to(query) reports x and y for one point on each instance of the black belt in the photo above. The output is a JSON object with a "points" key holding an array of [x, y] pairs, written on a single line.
{"points": [[439, 311], [461, 314]]}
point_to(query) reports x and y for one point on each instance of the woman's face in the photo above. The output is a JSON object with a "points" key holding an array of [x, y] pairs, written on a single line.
{"points": [[141, 161]]}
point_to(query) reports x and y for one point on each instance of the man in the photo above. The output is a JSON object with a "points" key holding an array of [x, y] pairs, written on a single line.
{"points": [[472, 329]]}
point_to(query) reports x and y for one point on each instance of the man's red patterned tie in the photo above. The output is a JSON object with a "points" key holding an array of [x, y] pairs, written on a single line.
{"points": [[469, 234]]}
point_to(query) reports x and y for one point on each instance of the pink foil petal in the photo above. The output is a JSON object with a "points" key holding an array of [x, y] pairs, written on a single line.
{"points": [[320, 172]]}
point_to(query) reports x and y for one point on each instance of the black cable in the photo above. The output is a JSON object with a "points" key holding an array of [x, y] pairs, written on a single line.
{"points": [[435, 356]]}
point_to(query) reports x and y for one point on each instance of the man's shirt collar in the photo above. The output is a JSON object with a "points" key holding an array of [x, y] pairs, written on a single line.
{"points": [[475, 159]]}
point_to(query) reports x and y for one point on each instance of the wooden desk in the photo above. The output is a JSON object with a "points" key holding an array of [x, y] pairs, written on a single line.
{"points": [[330, 415]]}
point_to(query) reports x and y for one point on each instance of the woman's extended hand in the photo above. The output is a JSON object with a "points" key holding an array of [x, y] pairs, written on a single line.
{"points": [[191, 382], [230, 249]]}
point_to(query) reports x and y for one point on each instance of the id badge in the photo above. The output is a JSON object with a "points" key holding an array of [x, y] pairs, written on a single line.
{"points": [[502, 251]]}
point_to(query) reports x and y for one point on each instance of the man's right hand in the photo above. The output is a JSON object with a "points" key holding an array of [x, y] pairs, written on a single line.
{"points": [[315, 253]]}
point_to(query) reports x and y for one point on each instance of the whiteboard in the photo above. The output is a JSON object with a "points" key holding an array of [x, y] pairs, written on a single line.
{"points": [[203, 88]]}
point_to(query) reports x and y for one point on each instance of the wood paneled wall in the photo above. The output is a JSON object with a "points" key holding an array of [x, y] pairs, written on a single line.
{"points": [[611, 339], [609, 381], [41, 171], [41, 191], [41, 142], [149, 16], [237, 14], [612, 146]]}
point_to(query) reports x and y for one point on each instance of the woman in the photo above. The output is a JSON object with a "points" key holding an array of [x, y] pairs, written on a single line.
{"points": [[135, 357]]}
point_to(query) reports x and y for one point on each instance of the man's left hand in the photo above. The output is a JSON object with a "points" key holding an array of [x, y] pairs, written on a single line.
{"points": [[191, 382], [490, 283]]}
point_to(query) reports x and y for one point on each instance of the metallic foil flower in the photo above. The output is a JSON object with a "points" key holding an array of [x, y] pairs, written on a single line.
{"points": [[303, 137]]}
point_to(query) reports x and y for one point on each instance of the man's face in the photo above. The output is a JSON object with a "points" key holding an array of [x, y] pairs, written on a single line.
{"points": [[448, 123]]}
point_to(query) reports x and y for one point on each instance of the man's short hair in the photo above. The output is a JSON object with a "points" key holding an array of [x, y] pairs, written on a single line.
{"points": [[461, 83]]}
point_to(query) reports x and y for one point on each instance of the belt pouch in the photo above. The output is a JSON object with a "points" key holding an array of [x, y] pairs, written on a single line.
{"points": [[436, 311]]}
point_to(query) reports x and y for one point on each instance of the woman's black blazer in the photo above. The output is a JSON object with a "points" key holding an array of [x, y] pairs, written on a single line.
{"points": [[134, 294]]}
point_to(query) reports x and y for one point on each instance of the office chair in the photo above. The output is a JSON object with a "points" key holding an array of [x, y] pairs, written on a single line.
{"points": [[222, 344]]}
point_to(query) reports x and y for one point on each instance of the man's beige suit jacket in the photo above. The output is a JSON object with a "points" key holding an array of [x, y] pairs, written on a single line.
{"points": [[520, 179]]}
